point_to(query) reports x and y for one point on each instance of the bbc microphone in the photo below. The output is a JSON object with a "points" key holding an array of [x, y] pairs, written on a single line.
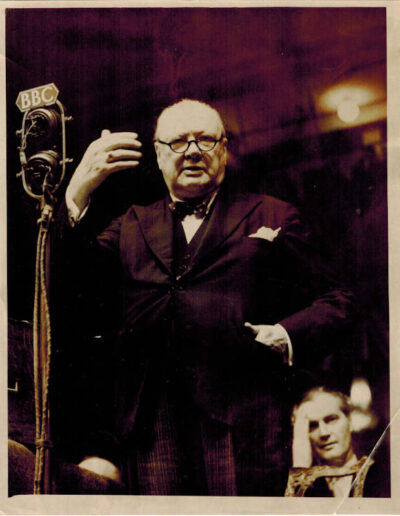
{"points": [[42, 149]]}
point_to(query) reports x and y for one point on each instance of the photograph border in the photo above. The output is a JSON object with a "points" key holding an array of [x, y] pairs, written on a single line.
{"points": [[123, 504]]}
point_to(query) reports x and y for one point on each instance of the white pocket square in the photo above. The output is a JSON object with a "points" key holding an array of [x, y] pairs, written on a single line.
{"points": [[266, 233]]}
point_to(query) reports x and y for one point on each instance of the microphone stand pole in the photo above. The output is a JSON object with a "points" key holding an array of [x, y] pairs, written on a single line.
{"points": [[42, 350]]}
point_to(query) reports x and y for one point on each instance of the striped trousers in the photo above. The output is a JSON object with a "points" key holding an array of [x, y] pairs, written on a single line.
{"points": [[182, 451]]}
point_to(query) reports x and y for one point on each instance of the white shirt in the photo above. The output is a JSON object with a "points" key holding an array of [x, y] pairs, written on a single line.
{"points": [[191, 223]]}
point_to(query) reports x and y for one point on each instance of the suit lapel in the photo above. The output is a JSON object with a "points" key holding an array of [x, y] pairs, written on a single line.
{"points": [[229, 211], [157, 227], [156, 223]]}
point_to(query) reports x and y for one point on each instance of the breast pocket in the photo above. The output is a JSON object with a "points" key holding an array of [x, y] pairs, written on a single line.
{"points": [[258, 254]]}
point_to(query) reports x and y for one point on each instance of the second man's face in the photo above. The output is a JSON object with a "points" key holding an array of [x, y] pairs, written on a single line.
{"points": [[330, 430], [193, 173]]}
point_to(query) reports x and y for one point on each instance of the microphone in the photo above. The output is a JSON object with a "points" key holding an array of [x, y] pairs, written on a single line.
{"points": [[42, 149]]}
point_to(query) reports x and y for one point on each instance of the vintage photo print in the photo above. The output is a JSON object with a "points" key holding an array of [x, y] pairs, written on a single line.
{"points": [[199, 220]]}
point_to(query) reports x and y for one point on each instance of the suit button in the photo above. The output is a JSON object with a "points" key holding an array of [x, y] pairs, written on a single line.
{"points": [[180, 287]]}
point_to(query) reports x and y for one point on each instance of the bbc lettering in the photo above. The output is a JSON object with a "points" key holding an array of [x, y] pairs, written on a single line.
{"points": [[36, 97]]}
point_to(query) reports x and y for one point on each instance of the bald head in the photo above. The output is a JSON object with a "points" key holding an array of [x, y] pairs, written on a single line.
{"points": [[184, 113]]}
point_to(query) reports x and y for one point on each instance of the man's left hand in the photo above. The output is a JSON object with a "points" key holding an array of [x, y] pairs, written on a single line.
{"points": [[273, 336]]}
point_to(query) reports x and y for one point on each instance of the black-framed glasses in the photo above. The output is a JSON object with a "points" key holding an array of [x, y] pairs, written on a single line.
{"points": [[204, 144]]}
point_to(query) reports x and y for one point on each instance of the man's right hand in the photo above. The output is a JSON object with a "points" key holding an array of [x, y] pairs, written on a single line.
{"points": [[101, 467], [108, 154]]}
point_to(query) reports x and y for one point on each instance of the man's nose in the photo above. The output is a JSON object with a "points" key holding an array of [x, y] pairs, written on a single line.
{"points": [[323, 430], [193, 152]]}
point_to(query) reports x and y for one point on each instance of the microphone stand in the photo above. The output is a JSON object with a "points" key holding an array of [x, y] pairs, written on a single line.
{"points": [[41, 312]]}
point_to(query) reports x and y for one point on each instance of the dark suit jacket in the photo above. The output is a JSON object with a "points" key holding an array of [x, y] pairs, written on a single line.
{"points": [[195, 323]]}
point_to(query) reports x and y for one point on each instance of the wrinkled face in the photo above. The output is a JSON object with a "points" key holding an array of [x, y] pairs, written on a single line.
{"points": [[329, 430], [194, 173]]}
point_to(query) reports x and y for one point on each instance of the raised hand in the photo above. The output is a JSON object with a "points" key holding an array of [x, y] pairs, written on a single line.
{"points": [[108, 154], [301, 447]]}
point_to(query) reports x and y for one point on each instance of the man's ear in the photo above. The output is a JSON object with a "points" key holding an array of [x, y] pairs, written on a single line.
{"points": [[225, 149], [351, 422], [355, 421]]}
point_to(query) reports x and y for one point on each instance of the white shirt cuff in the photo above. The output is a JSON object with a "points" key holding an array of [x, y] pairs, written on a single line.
{"points": [[289, 345], [74, 214]]}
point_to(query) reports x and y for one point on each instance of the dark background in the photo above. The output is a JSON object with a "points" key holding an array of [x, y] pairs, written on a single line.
{"points": [[266, 70]]}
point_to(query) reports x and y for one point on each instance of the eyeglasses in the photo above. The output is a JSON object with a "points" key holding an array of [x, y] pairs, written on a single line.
{"points": [[204, 144]]}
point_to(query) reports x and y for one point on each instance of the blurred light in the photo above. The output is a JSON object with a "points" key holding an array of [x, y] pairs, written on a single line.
{"points": [[361, 421], [362, 418], [360, 94], [360, 393], [348, 110]]}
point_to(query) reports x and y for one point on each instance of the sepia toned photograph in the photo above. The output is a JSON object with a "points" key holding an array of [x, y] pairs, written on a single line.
{"points": [[197, 253]]}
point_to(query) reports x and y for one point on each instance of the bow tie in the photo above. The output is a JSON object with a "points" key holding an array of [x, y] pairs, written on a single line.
{"points": [[183, 208]]}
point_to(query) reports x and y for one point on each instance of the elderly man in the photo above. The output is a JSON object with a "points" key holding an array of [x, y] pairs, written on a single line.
{"points": [[324, 460], [222, 294]]}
